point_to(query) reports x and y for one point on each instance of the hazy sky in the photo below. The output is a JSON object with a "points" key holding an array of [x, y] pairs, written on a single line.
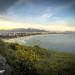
{"points": [[43, 14]]}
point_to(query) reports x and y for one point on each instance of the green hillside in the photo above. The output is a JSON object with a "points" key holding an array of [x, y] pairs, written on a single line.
{"points": [[32, 60]]}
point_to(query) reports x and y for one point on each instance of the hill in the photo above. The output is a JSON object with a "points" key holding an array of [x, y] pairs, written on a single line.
{"points": [[17, 59], [23, 30]]}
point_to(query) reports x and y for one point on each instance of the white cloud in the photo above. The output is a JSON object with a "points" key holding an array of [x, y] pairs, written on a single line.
{"points": [[52, 11], [46, 15]]}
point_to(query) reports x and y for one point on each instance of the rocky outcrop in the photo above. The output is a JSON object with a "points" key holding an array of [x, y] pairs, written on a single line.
{"points": [[4, 67]]}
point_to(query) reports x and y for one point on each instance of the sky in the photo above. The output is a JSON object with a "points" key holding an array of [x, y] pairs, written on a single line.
{"points": [[52, 15]]}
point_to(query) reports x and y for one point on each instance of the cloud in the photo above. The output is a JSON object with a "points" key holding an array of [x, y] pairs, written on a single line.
{"points": [[54, 9], [36, 13], [46, 15], [5, 4], [51, 12]]}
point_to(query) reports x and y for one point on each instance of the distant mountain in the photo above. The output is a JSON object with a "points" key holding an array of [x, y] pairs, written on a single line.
{"points": [[23, 30], [70, 32]]}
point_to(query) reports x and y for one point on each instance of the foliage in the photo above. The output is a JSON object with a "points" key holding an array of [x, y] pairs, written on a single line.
{"points": [[27, 60]]}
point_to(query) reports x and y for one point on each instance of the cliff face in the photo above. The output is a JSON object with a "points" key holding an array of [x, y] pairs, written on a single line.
{"points": [[4, 67]]}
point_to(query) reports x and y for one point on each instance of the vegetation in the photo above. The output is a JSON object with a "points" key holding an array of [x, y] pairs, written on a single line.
{"points": [[25, 60]]}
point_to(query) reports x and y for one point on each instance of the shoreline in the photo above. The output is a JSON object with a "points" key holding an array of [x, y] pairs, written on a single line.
{"points": [[14, 40], [49, 41]]}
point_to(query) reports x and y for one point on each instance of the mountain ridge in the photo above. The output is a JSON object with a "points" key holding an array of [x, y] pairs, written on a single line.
{"points": [[23, 30]]}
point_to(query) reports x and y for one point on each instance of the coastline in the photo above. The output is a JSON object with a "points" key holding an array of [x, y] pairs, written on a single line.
{"points": [[14, 40]]}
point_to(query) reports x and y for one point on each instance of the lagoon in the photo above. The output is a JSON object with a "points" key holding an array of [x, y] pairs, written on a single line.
{"points": [[60, 42]]}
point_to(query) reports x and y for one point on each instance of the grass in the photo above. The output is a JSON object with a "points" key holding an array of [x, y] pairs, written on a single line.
{"points": [[33, 60]]}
